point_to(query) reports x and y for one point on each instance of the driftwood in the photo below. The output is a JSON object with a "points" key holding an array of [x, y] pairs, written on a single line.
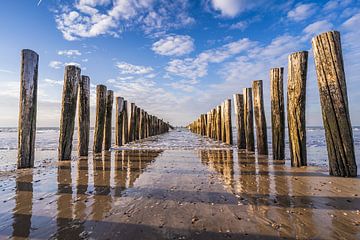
{"points": [[334, 103], [277, 113], [260, 119], [68, 111], [296, 107], [27, 108], [249, 120], [100, 118], [84, 116], [239, 120]]}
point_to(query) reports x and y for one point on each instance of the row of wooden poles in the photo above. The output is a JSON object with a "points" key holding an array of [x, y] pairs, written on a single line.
{"points": [[327, 51], [132, 123]]}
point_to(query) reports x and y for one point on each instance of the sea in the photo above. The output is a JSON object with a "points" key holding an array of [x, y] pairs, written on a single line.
{"points": [[177, 139]]}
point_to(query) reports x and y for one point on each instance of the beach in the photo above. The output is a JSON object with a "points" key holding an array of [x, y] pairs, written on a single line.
{"points": [[175, 186]]}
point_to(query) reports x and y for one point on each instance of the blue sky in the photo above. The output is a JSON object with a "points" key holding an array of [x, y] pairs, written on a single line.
{"points": [[176, 59]]}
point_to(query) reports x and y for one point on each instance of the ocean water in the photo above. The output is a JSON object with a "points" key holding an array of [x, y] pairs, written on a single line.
{"points": [[178, 139]]}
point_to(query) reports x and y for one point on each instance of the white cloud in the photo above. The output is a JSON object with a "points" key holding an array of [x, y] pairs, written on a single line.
{"points": [[194, 68], [317, 28], [127, 68], [232, 8], [242, 25], [184, 85], [73, 64], [302, 12], [56, 64], [352, 22], [6, 71], [335, 4], [91, 18], [176, 45], [69, 53], [53, 82]]}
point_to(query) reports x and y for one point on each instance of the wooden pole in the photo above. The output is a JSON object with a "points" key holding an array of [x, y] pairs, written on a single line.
{"points": [[100, 118], [138, 127], [131, 126], [108, 120], [334, 103], [119, 121], [249, 120], [239, 119], [260, 119], [223, 130], [125, 123], [27, 108], [277, 113], [296, 107], [84, 116], [68, 111], [142, 124], [228, 125], [218, 123]]}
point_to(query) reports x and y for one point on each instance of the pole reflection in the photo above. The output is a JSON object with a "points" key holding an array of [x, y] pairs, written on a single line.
{"points": [[22, 211]]}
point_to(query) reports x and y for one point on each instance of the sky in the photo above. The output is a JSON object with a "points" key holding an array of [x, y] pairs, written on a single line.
{"points": [[175, 59]]}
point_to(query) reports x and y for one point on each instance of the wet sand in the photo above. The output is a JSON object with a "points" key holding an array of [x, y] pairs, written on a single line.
{"points": [[177, 194]]}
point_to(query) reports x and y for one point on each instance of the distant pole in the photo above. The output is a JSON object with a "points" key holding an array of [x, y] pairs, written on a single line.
{"points": [[249, 119], [119, 121], [239, 119], [125, 124], [228, 125], [334, 103], [260, 119], [84, 116], [108, 120], [27, 108], [296, 107], [68, 111], [100, 118], [277, 113]]}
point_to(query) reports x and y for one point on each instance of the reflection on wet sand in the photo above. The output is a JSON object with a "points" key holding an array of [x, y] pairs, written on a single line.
{"points": [[84, 194], [299, 202], [177, 194]]}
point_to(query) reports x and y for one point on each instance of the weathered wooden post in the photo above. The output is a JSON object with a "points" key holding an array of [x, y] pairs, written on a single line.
{"points": [[218, 123], [119, 121], [100, 118], [108, 120], [142, 124], [84, 116], [131, 126], [223, 122], [27, 108], [138, 127], [296, 107], [260, 119], [249, 119], [277, 113], [239, 119], [334, 103], [228, 124], [125, 123], [68, 111]]}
